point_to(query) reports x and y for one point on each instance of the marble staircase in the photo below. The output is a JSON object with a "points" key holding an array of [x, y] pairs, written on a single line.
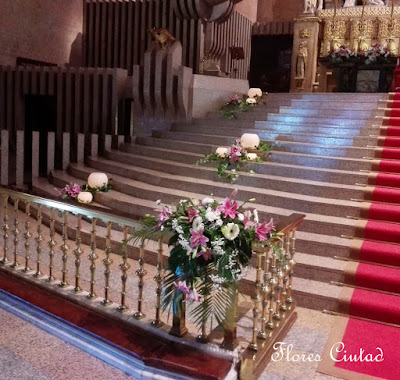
{"points": [[320, 154]]}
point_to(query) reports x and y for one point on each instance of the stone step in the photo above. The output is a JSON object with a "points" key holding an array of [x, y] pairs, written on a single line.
{"points": [[266, 168], [137, 200], [292, 146], [355, 97], [334, 105], [207, 179], [336, 113], [182, 153], [360, 121]]}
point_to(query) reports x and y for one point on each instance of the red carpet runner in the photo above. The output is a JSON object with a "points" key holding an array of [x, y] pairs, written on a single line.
{"points": [[375, 274]]}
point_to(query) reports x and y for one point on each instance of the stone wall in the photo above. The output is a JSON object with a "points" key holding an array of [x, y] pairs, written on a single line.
{"points": [[277, 10], [248, 8], [42, 30]]}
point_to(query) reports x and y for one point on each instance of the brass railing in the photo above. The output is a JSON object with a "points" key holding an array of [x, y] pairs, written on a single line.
{"points": [[271, 289]]}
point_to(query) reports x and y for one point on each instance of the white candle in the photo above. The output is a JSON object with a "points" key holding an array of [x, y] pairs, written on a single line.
{"points": [[253, 92], [97, 180], [250, 141], [85, 197], [251, 156], [222, 151]]}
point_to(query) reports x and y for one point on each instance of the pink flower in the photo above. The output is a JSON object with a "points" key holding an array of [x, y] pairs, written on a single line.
{"points": [[194, 296], [164, 215], [71, 191], [247, 223], [206, 254], [198, 238], [192, 213], [263, 229], [181, 286], [229, 208]]}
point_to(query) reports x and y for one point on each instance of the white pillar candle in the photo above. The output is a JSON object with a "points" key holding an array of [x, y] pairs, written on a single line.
{"points": [[97, 180], [253, 92], [250, 141], [251, 156], [251, 101], [85, 197], [221, 151]]}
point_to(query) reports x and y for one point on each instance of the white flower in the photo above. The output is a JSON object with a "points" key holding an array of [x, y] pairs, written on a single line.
{"points": [[158, 201], [251, 101], [219, 222], [221, 152], [206, 201], [198, 223], [195, 202], [212, 215], [176, 226], [247, 214], [255, 212], [230, 231], [241, 217]]}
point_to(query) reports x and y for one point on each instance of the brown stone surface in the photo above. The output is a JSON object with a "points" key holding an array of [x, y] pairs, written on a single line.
{"points": [[41, 30]]}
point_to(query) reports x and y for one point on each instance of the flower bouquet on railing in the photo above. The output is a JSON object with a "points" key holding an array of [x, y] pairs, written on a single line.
{"points": [[97, 182], [231, 160], [212, 247], [237, 104]]}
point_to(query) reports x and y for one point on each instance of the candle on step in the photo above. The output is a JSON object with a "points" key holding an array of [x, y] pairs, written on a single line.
{"points": [[97, 180], [85, 197], [253, 92], [250, 141]]}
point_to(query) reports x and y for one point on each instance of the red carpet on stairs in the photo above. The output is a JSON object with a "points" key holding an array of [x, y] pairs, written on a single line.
{"points": [[376, 292]]}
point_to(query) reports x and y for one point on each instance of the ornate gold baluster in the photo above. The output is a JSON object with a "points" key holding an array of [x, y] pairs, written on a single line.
{"points": [[27, 236], [39, 240], [272, 283], [289, 298], [107, 261], [78, 252], [5, 229], [141, 272], [265, 294], [284, 268], [92, 257], [124, 266], [51, 243], [159, 279], [203, 337], [15, 232], [64, 249], [259, 249]]}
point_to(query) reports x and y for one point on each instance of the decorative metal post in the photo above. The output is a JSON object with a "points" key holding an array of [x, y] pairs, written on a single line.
{"points": [[78, 252], [292, 249], [159, 279], [107, 261], [5, 230], [141, 272], [265, 294], [15, 232], [92, 257], [230, 331], [178, 315], [27, 236], [51, 243], [39, 240], [124, 266], [64, 249]]}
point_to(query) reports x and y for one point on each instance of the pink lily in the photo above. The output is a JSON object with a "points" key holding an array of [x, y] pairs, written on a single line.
{"points": [[263, 229], [206, 254], [181, 286], [194, 297], [229, 208], [192, 213], [198, 238], [164, 215]]}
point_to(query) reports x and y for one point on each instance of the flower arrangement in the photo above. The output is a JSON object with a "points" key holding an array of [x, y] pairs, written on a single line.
{"points": [[212, 247], [376, 53], [237, 104], [84, 193], [233, 159]]}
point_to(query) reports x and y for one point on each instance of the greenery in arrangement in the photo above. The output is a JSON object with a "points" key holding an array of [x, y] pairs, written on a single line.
{"points": [[236, 104], [211, 248], [233, 159], [375, 54]]}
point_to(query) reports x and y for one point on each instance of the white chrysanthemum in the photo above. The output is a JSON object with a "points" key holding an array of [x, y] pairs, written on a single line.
{"points": [[206, 201], [212, 215], [198, 223], [219, 222], [230, 231]]}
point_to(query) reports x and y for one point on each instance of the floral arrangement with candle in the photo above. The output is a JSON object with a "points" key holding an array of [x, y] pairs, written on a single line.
{"points": [[233, 159], [97, 182], [211, 249], [237, 104]]}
